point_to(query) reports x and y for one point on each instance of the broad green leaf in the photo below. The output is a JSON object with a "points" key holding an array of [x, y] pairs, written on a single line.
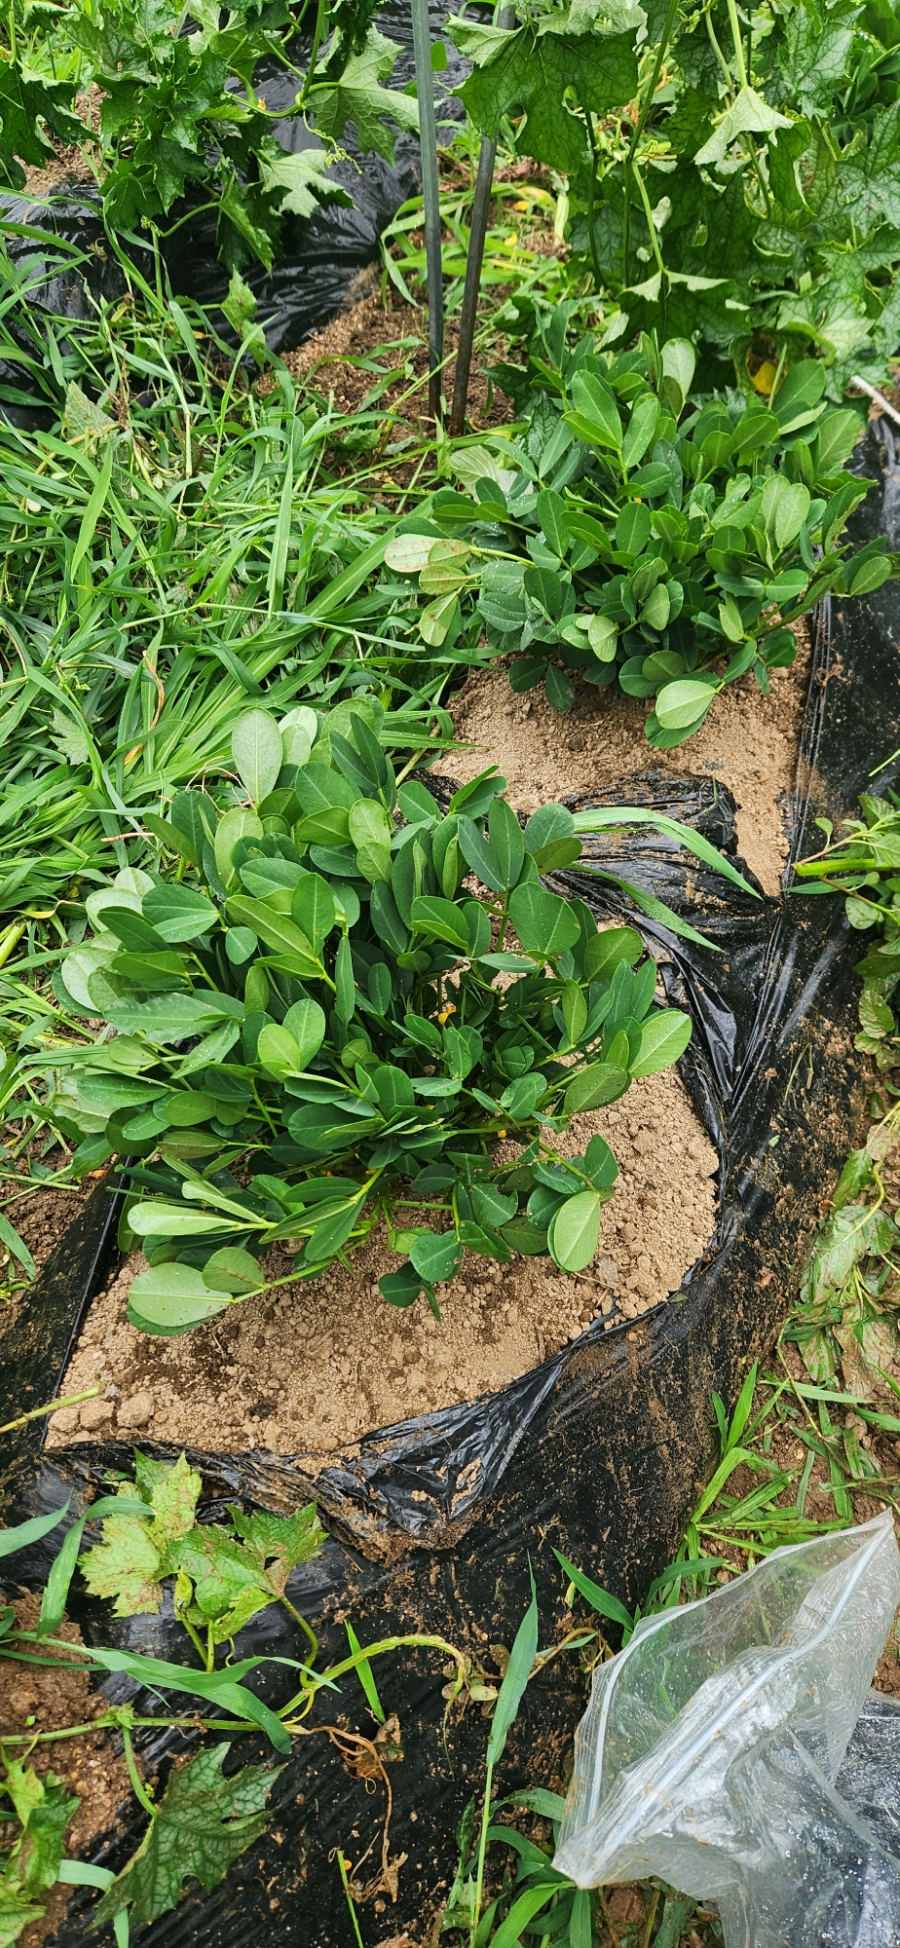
{"points": [[203, 1822], [575, 1230], [683, 702], [436, 1255], [172, 1298], [594, 1087], [278, 1052], [663, 1039], [545, 924], [748, 114], [595, 409], [281, 935], [178, 912], [408, 554], [240, 823], [525, 71], [174, 1220], [441, 920], [257, 752], [305, 1022]]}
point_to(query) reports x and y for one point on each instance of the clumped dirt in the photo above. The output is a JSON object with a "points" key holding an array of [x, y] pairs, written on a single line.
{"points": [[36, 1698], [749, 742], [313, 1367]]}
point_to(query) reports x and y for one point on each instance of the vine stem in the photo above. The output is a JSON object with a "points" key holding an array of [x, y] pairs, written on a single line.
{"points": [[318, 31], [740, 63], [641, 123], [140, 1789]]}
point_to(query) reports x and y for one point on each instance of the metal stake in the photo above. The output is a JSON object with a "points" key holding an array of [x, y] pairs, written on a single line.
{"points": [[431, 197], [484, 182]]}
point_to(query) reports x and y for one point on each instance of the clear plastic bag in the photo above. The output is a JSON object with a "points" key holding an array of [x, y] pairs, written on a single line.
{"points": [[711, 1752]]}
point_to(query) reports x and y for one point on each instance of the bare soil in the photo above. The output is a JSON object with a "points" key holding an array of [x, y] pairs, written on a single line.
{"points": [[39, 1699], [749, 742], [313, 1367]]}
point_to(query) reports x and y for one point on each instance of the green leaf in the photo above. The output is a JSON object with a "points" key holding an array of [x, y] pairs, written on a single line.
{"points": [[278, 1052], [280, 934], [25, 1533], [178, 912], [663, 1039], [748, 113], [516, 1676], [441, 920], [171, 1298], [358, 97], [305, 1022], [598, 1598], [595, 410], [371, 833], [575, 1230], [524, 71], [240, 823], [436, 1255], [257, 752], [480, 855], [545, 924], [594, 1087], [203, 1822], [683, 702], [297, 179]]}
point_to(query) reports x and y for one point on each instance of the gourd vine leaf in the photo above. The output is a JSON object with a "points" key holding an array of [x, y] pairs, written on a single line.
{"points": [[359, 97], [224, 1575], [531, 71], [298, 179], [134, 1555], [43, 1808], [26, 100], [203, 1822]]}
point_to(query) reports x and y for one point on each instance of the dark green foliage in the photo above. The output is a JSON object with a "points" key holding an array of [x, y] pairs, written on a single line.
{"points": [[328, 1007], [748, 197], [864, 865], [203, 1822], [632, 537], [41, 1809], [181, 112]]}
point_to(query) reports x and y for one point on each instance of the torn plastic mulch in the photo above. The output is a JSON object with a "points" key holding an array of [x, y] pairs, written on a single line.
{"points": [[602, 1449], [323, 255]]}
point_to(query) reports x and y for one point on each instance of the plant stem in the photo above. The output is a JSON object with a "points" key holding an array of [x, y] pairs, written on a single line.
{"points": [[482, 1850], [431, 197], [646, 105], [68, 1400], [318, 31], [654, 240], [342, 1869], [591, 195], [310, 1633], [735, 26], [140, 1789]]}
